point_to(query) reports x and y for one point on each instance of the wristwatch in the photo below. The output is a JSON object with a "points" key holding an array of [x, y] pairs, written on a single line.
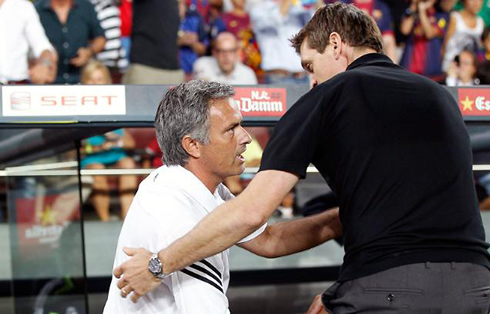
{"points": [[155, 267]]}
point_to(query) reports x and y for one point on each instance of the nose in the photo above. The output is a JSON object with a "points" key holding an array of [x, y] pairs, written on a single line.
{"points": [[244, 138]]}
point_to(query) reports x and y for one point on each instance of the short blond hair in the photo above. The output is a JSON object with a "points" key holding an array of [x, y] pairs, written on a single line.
{"points": [[93, 66]]}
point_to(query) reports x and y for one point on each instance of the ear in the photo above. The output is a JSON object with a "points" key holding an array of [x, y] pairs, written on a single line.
{"points": [[191, 146], [336, 41]]}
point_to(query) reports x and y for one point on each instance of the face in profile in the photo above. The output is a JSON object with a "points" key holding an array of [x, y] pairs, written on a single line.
{"points": [[222, 157]]}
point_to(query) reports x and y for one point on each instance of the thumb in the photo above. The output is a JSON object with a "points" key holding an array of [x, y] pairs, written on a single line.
{"points": [[129, 251]]}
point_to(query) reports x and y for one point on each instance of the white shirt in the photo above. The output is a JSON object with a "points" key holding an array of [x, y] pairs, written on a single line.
{"points": [[273, 31], [168, 204], [463, 37], [207, 69], [20, 32]]}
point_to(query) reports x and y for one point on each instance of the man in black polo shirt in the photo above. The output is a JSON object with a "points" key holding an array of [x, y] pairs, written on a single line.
{"points": [[394, 148], [74, 30]]}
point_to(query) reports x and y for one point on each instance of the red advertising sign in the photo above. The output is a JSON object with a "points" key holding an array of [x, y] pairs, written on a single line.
{"points": [[261, 102], [474, 101]]}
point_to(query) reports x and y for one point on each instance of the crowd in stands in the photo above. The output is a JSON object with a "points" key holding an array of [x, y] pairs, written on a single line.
{"points": [[240, 42], [167, 42]]}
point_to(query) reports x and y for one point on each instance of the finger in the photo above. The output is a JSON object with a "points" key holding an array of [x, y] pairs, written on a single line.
{"points": [[129, 251], [121, 283], [118, 272], [126, 291], [135, 297]]}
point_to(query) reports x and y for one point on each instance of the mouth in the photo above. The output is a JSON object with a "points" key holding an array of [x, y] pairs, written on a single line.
{"points": [[240, 156]]}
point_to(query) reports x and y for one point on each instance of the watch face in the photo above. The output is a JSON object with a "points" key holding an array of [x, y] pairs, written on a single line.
{"points": [[155, 266]]}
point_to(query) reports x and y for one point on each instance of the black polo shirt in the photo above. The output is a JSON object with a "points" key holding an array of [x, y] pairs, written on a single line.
{"points": [[154, 35], [394, 147], [81, 27]]}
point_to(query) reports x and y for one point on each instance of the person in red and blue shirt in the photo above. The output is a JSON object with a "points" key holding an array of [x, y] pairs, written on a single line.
{"points": [[425, 23]]}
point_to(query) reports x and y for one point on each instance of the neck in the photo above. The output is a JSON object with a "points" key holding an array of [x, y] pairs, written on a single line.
{"points": [[209, 181], [239, 11], [60, 3], [356, 53]]}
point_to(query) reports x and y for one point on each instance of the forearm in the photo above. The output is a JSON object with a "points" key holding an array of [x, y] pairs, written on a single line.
{"points": [[230, 222], [97, 45], [406, 25], [429, 31], [290, 237]]}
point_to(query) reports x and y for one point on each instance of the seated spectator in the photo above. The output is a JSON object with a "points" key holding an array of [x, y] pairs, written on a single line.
{"points": [[237, 22], [192, 37], [224, 66], [463, 70], [425, 24], [464, 32], [108, 150], [21, 32], [74, 30], [381, 13], [273, 23], [113, 55]]}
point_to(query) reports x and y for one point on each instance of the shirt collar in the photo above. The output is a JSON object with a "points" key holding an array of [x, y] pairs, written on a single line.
{"points": [[182, 179], [369, 59], [46, 4]]}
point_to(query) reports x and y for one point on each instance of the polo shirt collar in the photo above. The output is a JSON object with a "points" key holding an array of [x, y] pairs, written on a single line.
{"points": [[183, 179], [46, 4], [369, 59]]}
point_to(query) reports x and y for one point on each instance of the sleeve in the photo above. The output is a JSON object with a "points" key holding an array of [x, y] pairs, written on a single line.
{"points": [[385, 23], [297, 135], [95, 28], [265, 15], [254, 235], [226, 195], [36, 36]]}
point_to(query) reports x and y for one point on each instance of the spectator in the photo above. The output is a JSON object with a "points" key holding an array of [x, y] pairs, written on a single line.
{"points": [[126, 10], [425, 24], [107, 150], [237, 22], [113, 55], [224, 66], [154, 50], [464, 32], [381, 13], [21, 32], [192, 37], [73, 29], [274, 22], [463, 70], [484, 13]]}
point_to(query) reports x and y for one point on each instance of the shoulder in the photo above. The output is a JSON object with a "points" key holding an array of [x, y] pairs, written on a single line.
{"points": [[245, 70]]}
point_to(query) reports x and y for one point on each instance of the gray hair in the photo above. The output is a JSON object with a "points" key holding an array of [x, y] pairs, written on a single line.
{"points": [[184, 111]]}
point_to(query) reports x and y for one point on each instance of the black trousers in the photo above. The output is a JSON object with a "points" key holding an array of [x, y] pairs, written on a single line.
{"points": [[425, 288]]}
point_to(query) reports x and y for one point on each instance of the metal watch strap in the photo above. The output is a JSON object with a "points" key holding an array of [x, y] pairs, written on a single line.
{"points": [[161, 275]]}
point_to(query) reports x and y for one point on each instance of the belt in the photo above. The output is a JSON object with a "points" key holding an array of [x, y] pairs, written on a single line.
{"points": [[285, 73]]}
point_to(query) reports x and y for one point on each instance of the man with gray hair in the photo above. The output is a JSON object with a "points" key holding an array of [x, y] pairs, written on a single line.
{"points": [[199, 130]]}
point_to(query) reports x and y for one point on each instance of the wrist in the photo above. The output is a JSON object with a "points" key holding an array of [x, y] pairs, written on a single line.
{"points": [[46, 62], [155, 267], [165, 262]]}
